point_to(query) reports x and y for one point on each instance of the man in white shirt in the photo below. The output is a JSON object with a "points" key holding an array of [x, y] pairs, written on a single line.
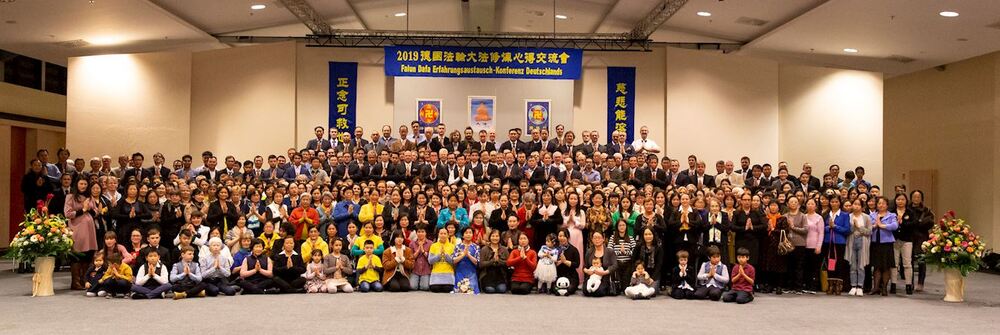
{"points": [[735, 179], [643, 144]]}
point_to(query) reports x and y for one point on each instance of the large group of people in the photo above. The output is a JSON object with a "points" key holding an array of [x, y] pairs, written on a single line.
{"points": [[466, 213]]}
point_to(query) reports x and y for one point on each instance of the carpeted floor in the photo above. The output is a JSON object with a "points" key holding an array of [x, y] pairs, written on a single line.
{"points": [[70, 312]]}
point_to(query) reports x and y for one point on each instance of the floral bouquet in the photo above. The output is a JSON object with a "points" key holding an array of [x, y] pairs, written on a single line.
{"points": [[952, 244], [41, 235]]}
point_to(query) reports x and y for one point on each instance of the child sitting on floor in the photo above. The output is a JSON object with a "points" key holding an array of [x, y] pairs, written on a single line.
{"points": [[641, 286], [337, 268], [712, 277], [117, 278], [369, 267], [94, 274], [594, 281], [743, 277], [315, 279], [684, 278], [152, 280], [186, 276]]}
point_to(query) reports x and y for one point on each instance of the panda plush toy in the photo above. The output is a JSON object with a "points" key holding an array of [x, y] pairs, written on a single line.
{"points": [[562, 286]]}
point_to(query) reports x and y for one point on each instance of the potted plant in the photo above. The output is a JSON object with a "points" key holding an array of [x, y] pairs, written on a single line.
{"points": [[953, 247], [42, 238]]}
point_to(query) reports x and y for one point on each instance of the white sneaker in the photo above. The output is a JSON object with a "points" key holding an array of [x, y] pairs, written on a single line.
{"points": [[861, 292], [854, 291], [102, 293], [91, 294]]}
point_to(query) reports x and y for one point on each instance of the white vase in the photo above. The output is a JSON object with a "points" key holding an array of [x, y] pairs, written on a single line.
{"points": [[41, 282], [954, 286]]}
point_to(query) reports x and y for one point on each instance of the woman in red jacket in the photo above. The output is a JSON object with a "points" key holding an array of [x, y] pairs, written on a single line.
{"points": [[523, 260]]}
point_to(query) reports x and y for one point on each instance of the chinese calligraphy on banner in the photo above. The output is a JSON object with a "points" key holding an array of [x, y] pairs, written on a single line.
{"points": [[621, 101], [457, 62], [343, 96]]}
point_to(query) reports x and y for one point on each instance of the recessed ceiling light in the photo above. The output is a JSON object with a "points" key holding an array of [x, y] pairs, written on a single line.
{"points": [[561, 17], [400, 14], [258, 7], [706, 14], [948, 13], [851, 50]]}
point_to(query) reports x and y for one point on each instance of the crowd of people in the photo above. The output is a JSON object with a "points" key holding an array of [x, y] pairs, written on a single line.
{"points": [[463, 212]]}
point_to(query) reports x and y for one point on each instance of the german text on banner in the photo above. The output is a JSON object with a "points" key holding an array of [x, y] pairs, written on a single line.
{"points": [[458, 62], [343, 96], [621, 101]]}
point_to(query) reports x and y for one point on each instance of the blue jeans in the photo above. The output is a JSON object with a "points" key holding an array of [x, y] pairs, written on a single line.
{"points": [[857, 271], [374, 286], [420, 283], [500, 288], [145, 292]]}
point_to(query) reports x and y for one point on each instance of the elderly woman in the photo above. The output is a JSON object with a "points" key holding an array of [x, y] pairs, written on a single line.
{"points": [[304, 217]]}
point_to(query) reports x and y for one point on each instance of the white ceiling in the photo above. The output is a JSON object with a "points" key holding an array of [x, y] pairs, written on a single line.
{"points": [[800, 31]]}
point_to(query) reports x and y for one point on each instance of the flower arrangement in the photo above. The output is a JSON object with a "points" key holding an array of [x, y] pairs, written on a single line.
{"points": [[951, 244], [41, 235]]}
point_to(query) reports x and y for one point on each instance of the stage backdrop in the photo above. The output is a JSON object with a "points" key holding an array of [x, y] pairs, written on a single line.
{"points": [[508, 107]]}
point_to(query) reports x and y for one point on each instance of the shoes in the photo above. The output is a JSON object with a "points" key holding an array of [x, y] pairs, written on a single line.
{"points": [[91, 294], [892, 288], [920, 288], [180, 295], [854, 291], [909, 289], [860, 292], [201, 294]]}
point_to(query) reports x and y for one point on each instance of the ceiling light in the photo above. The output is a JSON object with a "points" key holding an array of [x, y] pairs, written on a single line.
{"points": [[851, 50], [948, 13], [400, 14], [258, 7], [106, 40], [561, 17], [706, 14]]}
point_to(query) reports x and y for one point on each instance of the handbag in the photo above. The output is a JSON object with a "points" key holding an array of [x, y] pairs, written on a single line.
{"points": [[785, 246], [831, 263]]}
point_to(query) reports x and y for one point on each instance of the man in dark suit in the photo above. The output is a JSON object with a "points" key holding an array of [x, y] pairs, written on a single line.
{"points": [[755, 181], [347, 169], [136, 171], [296, 169], [814, 183], [209, 170], [510, 172], [619, 146], [158, 168], [700, 179], [595, 137], [318, 143], [433, 171], [358, 141], [513, 144], [273, 172], [536, 144], [383, 169]]}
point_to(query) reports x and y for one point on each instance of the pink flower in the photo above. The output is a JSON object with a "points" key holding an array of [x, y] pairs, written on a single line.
{"points": [[965, 244], [49, 197], [951, 213], [947, 248]]}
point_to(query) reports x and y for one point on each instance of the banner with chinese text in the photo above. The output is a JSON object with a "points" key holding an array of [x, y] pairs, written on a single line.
{"points": [[621, 101], [343, 96], [458, 62]]}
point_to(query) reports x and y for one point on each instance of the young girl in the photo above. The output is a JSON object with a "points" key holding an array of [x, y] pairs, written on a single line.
{"points": [[857, 246], [641, 285], [337, 266], [478, 226], [466, 258], [314, 275], [94, 275], [545, 272]]}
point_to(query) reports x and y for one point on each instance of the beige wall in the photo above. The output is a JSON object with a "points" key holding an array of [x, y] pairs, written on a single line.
{"points": [[31, 102], [590, 96], [119, 104], [947, 121], [375, 90], [243, 100], [830, 116], [721, 107]]}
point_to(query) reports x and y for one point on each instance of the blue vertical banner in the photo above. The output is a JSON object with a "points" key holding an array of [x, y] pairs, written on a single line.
{"points": [[621, 101], [343, 96]]}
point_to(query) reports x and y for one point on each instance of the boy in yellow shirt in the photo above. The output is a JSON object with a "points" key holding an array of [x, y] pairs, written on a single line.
{"points": [[117, 279], [369, 267]]}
